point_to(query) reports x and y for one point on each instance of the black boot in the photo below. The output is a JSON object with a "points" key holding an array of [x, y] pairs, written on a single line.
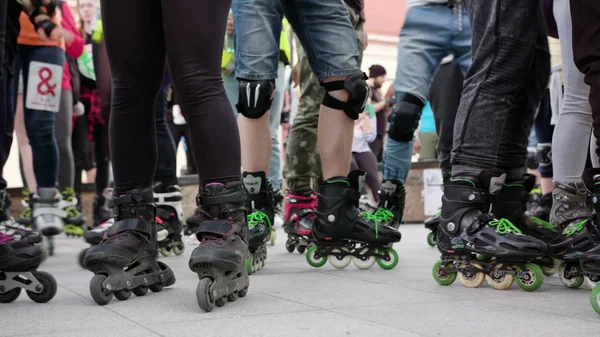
{"points": [[169, 211], [392, 197], [261, 216]]}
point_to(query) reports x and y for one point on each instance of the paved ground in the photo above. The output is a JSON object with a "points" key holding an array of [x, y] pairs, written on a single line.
{"points": [[290, 298]]}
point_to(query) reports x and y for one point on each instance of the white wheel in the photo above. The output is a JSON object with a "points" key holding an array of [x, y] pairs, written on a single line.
{"points": [[273, 237], [337, 261], [474, 278], [566, 272], [165, 252], [364, 262], [592, 280], [499, 281]]}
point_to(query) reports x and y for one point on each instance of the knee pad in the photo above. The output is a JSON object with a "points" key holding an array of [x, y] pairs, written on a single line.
{"points": [[406, 115], [255, 97], [359, 92], [544, 157], [532, 161]]}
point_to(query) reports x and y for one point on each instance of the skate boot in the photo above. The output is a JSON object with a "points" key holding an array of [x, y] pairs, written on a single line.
{"points": [[432, 224], [125, 261], [101, 210], [590, 260], [192, 223], [510, 203], [74, 221], [25, 216], [46, 215], [300, 206], [278, 219], [467, 232], [5, 203], [391, 204], [542, 211], [169, 214], [93, 237], [572, 213], [261, 215], [220, 258], [342, 234], [19, 259]]}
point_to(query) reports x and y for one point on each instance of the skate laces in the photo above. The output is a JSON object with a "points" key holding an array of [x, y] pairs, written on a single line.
{"points": [[504, 226], [541, 222], [381, 215], [257, 218], [574, 227]]}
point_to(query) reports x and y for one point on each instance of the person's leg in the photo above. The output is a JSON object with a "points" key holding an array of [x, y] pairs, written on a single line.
{"points": [[79, 142], [274, 120], [544, 131], [368, 163], [572, 131], [63, 125], [586, 50], [25, 156], [353, 162], [166, 168], [231, 85], [6, 133]]}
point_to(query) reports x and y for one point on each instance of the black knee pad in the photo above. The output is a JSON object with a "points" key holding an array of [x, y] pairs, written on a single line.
{"points": [[255, 97], [532, 161], [359, 92], [544, 157], [406, 114]]}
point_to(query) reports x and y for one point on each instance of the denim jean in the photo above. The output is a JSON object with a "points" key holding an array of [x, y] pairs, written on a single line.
{"points": [[39, 124], [510, 71], [231, 87], [323, 27], [430, 33]]}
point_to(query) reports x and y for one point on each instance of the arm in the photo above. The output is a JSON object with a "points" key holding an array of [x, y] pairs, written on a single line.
{"points": [[41, 19], [75, 47], [370, 129]]}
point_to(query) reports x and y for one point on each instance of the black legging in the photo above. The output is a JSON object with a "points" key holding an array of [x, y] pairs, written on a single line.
{"points": [[544, 130], [192, 39], [166, 168]]}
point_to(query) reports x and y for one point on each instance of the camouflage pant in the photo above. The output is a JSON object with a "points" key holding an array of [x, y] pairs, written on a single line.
{"points": [[303, 160]]}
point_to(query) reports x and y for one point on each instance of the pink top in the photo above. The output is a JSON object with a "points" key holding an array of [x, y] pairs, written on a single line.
{"points": [[76, 48]]}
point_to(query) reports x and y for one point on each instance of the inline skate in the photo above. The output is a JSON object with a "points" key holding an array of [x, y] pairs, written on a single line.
{"points": [[572, 212], [468, 233], [125, 261], [19, 259], [46, 215], [392, 197], [261, 214], [74, 220], [169, 214], [580, 232], [219, 259], [278, 219], [300, 206], [25, 215], [510, 203], [100, 209], [94, 236], [590, 260], [342, 234], [432, 224]]}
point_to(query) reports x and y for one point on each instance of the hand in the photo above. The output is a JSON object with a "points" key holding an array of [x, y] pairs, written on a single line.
{"points": [[416, 145], [389, 102], [296, 75], [69, 37], [56, 33], [229, 27], [366, 39]]}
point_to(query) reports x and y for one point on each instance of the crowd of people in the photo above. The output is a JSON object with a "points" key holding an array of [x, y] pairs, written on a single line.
{"points": [[499, 85]]}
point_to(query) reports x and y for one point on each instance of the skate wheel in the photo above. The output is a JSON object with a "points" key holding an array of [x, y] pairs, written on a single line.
{"points": [[340, 261], [140, 291], [431, 239], [550, 270], [390, 261], [301, 249], [363, 261], [471, 278], [441, 275], [290, 246], [273, 237], [592, 280], [249, 264], [178, 250], [10, 296], [532, 277], [203, 295], [48, 287], [156, 287], [81, 257], [165, 252], [595, 299], [243, 292], [220, 302], [231, 297], [123, 295], [100, 295], [312, 259], [569, 275], [498, 280]]}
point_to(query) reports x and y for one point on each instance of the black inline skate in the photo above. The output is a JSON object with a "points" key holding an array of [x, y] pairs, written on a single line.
{"points": [[101, 209], [219, 259], [19, 259], [342, 234], [94, 236], [392, 197], [467, 232], [590, 261], [261, 215], [300, 207], [433, 222], [573, 213], [510, 203], [125, 261], [169, 214]]}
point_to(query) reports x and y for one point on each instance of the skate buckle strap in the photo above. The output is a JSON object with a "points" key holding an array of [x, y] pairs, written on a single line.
{"points": [[215, 228], [132, 197], [48, 210], [351, 194], [504, 226], [163, 213], [233, 197], [135, 224]]}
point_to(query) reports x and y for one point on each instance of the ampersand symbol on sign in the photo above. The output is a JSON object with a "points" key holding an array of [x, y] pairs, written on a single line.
{"points": [[45, 75]]}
